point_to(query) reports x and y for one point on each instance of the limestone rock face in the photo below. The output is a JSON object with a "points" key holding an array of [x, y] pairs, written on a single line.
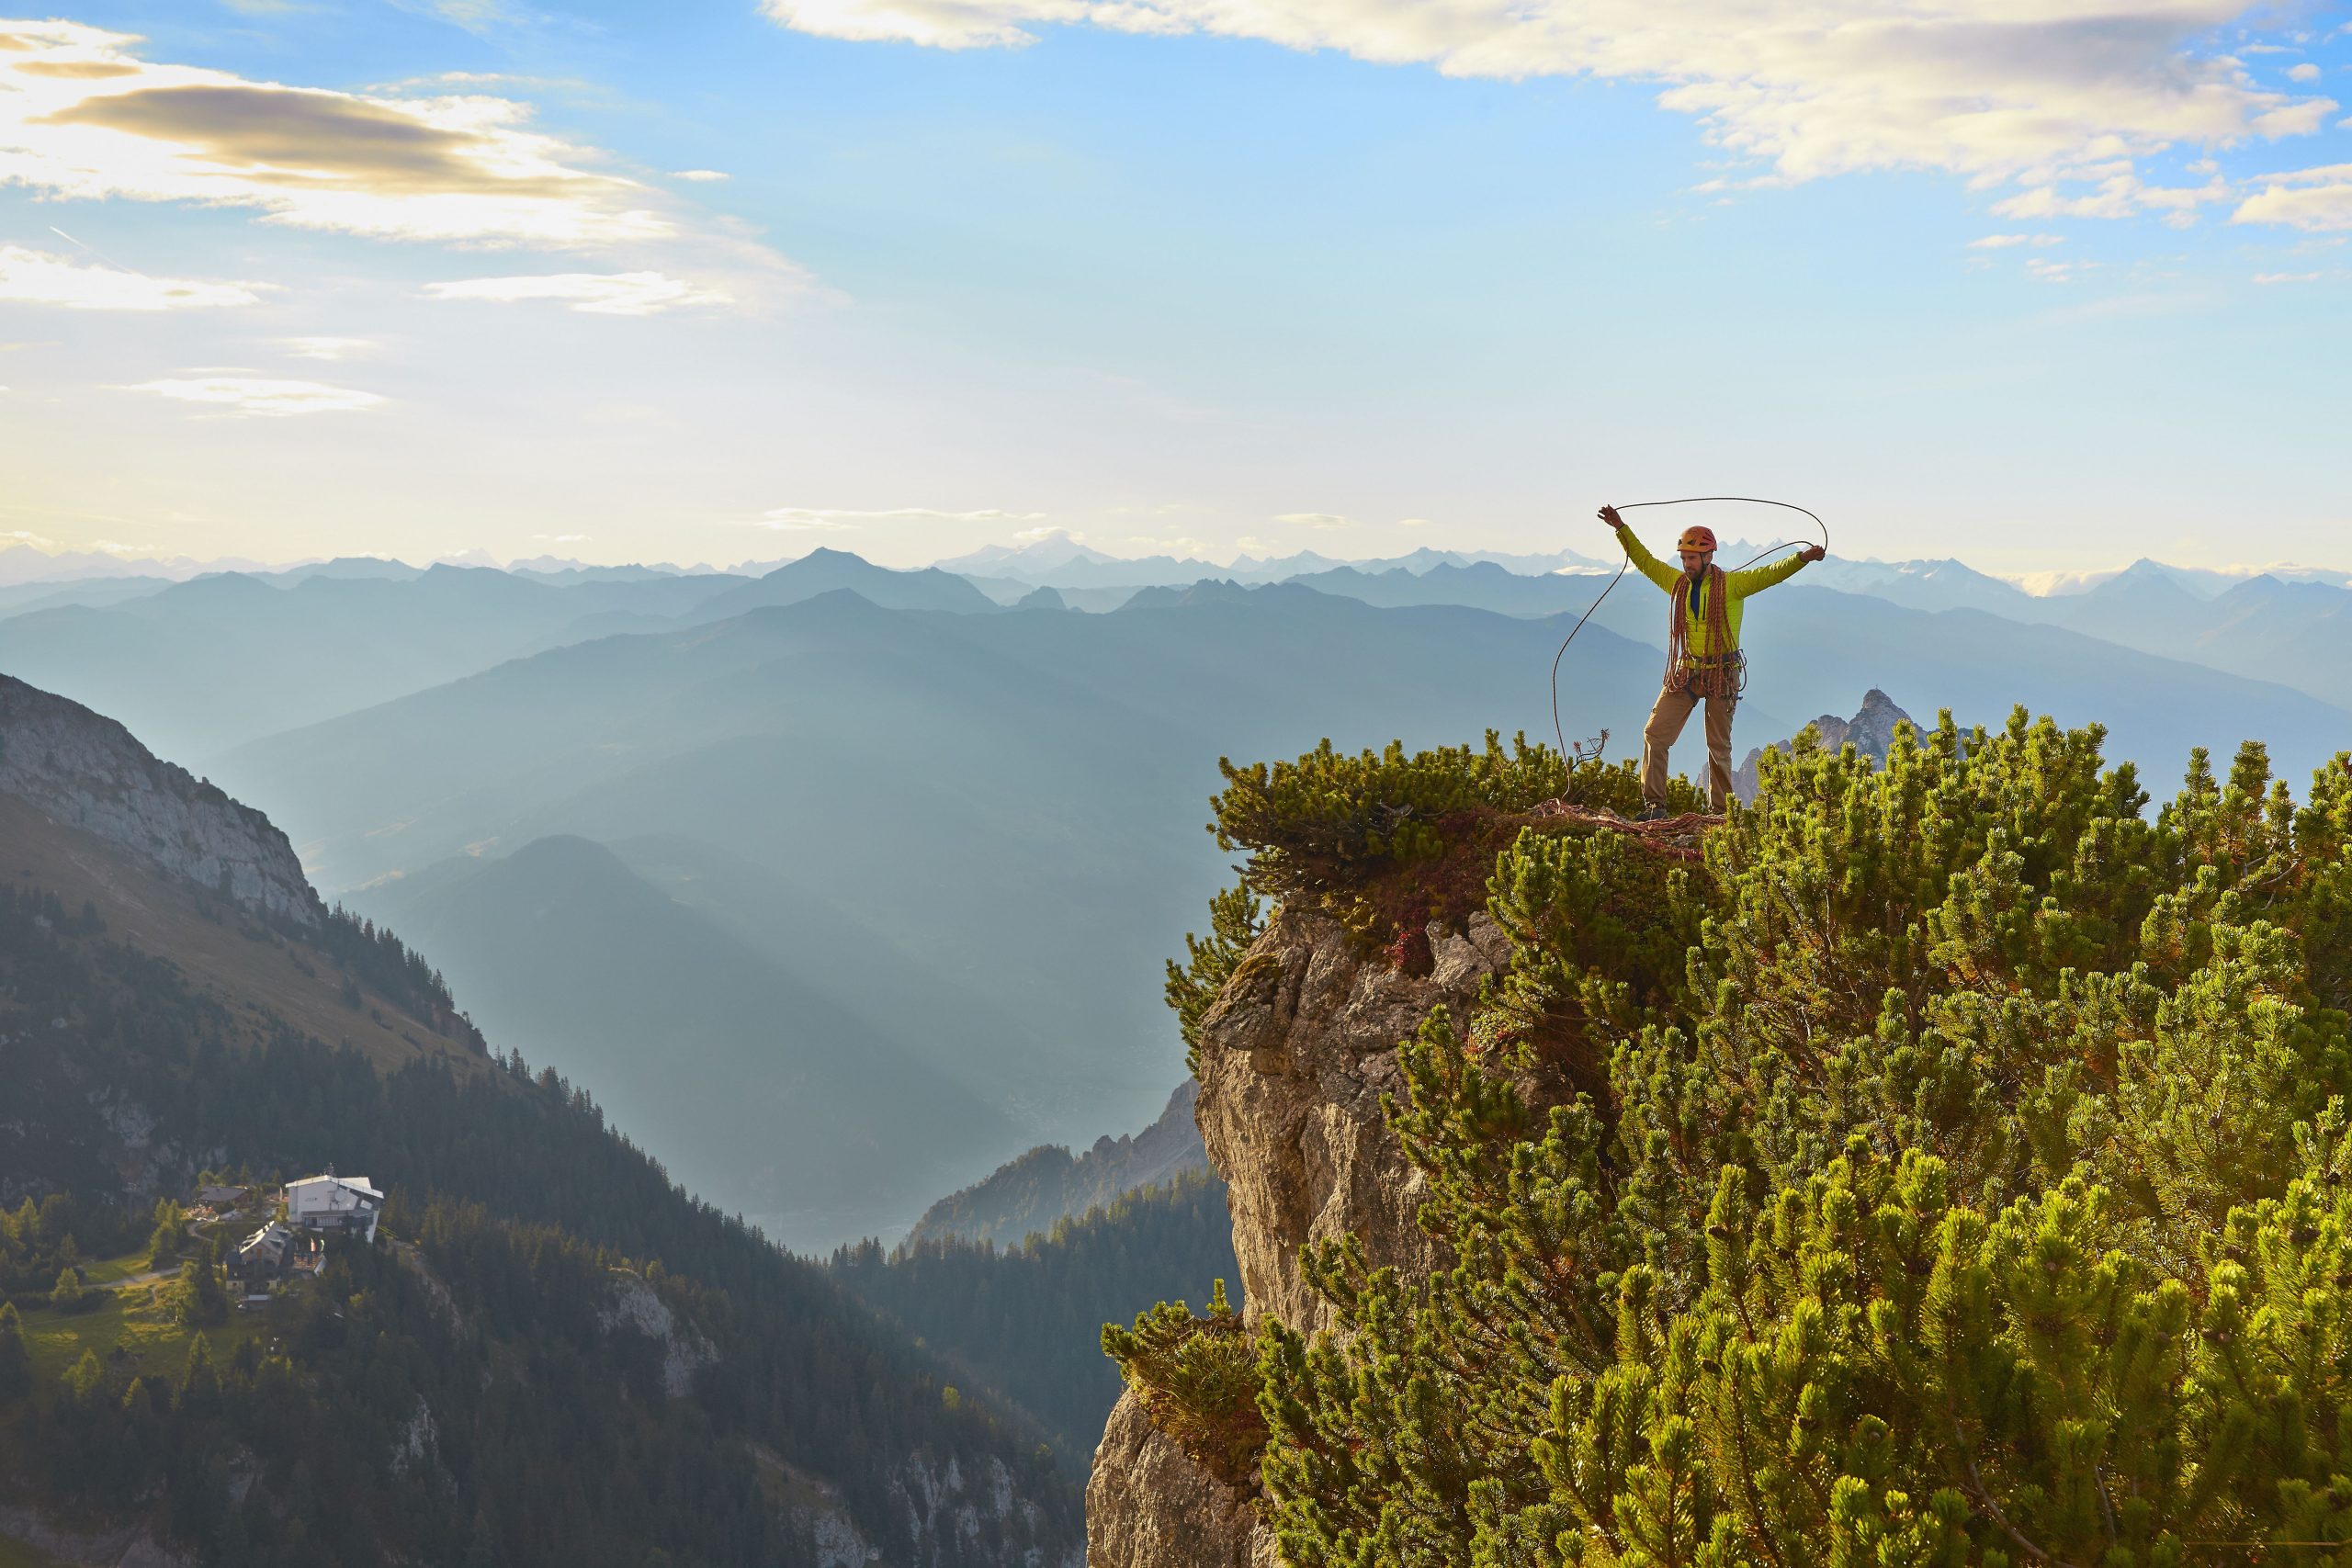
{"points": [[1295, 1055], [1149, 1506], [87, 772]]}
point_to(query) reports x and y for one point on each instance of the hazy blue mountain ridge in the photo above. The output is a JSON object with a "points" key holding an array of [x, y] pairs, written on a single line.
{"points": [[758, 1090], [1027, 1195]]}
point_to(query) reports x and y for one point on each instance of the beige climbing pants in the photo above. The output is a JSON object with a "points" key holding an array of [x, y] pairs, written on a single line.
{"points": [[1667, 719]]}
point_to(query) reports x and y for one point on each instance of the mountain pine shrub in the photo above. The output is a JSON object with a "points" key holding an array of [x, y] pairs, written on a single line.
{"points": [[1388, 841], [1949, 1170], [1198, 1379]]}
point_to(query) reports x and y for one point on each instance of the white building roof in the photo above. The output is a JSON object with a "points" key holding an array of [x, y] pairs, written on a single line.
{"points": [[332, 1190]]}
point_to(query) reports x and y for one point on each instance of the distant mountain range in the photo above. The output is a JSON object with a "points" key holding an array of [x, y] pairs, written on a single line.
{"points": [[961, 836]]}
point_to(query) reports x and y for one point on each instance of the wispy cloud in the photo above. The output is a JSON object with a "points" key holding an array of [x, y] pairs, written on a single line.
{"points": [[2286, 277], [700, 177], [2119, 193], [1313, 519], [328, 348], [827, 519], [1999, 92], [40, 277], [2003, 241], [261, 395], [598, 294], [83, 117]]}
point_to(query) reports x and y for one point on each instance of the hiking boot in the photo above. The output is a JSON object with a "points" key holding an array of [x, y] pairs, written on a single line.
{"points": [[1651, 814]]}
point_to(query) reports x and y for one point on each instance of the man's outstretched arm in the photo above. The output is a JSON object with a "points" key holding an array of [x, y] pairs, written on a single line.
{"points": [[1648, 565], [1757, 578]]}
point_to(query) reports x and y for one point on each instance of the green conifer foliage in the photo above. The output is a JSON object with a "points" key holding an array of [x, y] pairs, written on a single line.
{"points": [[1197, 1376], [200, 1379], [15, 1361], [69, 1294], [1236, 920], [1949, 1170], [198, 1297]]}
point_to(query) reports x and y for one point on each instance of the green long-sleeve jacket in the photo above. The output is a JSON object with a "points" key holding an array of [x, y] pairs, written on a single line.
{"points": [[1738, 585]]}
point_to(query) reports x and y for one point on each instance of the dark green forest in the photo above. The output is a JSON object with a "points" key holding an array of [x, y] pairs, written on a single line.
{"points": [[462, 1392], [1025, 1320], [1946, 1163]]}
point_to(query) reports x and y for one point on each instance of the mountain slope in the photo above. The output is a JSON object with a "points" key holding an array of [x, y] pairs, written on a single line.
{"points": [[553, 1357], [757, 1091], [1031, 1194], [1015, 798], [203, 665]]}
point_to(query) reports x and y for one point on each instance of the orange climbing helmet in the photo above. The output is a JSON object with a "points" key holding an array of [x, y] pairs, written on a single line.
{"points": [[1698, 536]]}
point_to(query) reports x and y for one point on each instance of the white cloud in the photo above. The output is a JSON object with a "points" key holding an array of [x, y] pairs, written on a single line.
{"points": [[1313, 519], [2317, 198], [2306, 72], [2003, 241], [261, 395], [1183, 546], [700, 176], [2053, 271], [563, 538], [82, 117], [830, 519], [41, 277], [2118, 195], [599, 294], [1039, 536], [1412, 522], [2286, 277], [328, 348], [1997, 90]]}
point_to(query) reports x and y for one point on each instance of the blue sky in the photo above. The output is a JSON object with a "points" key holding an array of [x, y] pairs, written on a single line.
{"points": [[1214, 275]]}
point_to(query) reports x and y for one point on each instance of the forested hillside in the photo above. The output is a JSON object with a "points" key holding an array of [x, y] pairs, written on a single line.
{"points": [[1048, 1183], [1945, 1163], [1027, 1319], [554, 1355]]}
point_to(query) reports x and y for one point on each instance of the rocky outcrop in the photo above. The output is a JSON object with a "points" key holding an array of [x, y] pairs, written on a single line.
{"points": [[1870, 731], [638, 1307], [1149, 1506], [1294, 1056], [87, 772]]}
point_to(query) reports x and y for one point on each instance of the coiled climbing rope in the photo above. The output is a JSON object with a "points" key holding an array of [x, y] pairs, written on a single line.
{"points": [[1679, 501]]}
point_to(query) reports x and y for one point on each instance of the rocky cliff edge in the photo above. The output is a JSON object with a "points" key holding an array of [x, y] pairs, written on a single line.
{"points": [[87, 772], [1294, 1056]]}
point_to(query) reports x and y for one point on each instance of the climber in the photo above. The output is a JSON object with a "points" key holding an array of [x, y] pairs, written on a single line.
{"points": [[1702, 656]]}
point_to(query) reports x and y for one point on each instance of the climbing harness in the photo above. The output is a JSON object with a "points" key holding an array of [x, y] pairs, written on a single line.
{"points": [[1739, 676]]}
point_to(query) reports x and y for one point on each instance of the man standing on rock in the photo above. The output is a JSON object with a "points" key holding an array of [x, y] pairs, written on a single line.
{"points": [[1702, 658]]}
